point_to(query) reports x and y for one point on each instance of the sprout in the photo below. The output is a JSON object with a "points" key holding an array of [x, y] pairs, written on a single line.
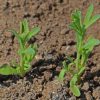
{"points": [[26, 51], [83, 48]]}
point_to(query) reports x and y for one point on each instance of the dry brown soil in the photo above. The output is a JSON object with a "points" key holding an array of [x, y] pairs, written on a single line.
{"points": [[55, 41]]}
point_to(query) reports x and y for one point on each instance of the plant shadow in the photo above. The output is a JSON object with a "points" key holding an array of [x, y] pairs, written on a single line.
{"points": [[38, 68], [43, 65]]}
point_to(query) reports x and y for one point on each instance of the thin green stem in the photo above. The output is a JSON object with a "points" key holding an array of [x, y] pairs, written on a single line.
{"points": [[21, 66], [78, 55], [22, 72]]}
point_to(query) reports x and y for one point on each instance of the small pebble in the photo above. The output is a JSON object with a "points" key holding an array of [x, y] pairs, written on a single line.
{"points": [[72, 98], [88, 96], [65, 31], [96, 93], [85, 86]]}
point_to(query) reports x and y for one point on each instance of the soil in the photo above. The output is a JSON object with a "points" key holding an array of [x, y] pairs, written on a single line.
{"points": [[55, 42]]}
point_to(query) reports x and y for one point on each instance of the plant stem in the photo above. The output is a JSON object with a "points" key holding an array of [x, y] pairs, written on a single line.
{"points": [[22, 72], [78, 55], [21, 66]]}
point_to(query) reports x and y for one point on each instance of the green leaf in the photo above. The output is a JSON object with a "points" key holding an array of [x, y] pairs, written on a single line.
{"points": [[91, 43], [73, 80], [70, 59], [77, 25], [76, 21], [64, 64], [21, 51], [75, 90], [17, 36], [88, 15], [74, 27], [81, 71], [27, 67], [33, 32], [15, 33], [30, 54], [93, 20], [7, 70], [27, 51], [63, 71], [24, 28]]}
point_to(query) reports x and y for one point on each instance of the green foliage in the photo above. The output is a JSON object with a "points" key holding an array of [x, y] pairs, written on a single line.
{"points": [[83, 48], [26, 52], [7, 70], [74, 88], [63, 71], [89, 19]]}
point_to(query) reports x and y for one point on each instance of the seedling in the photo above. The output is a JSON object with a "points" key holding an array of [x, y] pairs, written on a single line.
{"points": [[83, 48], [26, 51]]}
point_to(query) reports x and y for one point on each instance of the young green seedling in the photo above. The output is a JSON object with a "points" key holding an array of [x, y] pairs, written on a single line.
{"points": [[26, 51], [83, 48]]}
